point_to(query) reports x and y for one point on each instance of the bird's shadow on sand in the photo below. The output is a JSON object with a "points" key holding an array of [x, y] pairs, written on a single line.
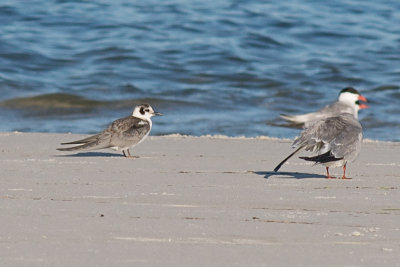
{"points": [[296, 175], [92, 154]]}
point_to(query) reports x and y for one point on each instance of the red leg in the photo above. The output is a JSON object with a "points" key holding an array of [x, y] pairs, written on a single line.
{"points": [[344, 172], [328, 175]]}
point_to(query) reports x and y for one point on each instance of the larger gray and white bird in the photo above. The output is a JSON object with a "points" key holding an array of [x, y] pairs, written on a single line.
{"points": [[121, 134], [348, 102], [336, 140]]}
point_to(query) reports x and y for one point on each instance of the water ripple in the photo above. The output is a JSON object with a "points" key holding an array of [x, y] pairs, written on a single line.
{"points": [[207, 64]]}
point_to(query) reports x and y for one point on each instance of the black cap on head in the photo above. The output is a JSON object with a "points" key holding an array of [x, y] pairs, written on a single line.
{"points": [[350, 90]]}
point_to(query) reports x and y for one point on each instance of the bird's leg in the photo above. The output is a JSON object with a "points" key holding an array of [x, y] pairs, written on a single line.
{"points": [[328, 176], [344, 172], [128, 154]]}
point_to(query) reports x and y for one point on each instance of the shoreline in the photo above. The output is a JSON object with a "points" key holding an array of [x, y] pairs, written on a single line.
{"points": [[194, 201], [207, 136]]}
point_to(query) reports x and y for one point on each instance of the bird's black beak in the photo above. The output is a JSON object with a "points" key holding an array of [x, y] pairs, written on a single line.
{"points": [[158, 113]]}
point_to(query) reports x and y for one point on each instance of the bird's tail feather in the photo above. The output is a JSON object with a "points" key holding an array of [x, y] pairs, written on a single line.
{"points": [[88, 146], [323, 158], [287, 117], [83, 141], [297, 119]]}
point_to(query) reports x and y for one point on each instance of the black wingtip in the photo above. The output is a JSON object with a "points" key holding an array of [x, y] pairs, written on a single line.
{"points": [[74, 143], [67, 148], [323, 158], [286, 159], [277, 168]]}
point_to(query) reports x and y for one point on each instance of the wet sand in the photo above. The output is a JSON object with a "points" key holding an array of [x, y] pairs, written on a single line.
{"points": [[194, 201]]}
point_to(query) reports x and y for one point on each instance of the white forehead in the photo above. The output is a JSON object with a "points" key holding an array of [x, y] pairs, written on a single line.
{"points": [[348, 97]]}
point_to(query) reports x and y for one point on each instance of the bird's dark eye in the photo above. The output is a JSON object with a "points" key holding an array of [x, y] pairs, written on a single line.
{"points": [[147, 110]]}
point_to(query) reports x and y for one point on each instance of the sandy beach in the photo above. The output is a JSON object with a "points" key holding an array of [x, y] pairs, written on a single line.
{"points": [[194, 201]]}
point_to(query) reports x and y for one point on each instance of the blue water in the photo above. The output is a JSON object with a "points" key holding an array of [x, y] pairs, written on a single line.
{"points": [[212, 67]]}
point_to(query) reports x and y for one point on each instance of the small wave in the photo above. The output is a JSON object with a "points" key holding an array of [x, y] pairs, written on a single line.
{"points": [[46, 101], [261, 41], [71, 101], [385, 88]]}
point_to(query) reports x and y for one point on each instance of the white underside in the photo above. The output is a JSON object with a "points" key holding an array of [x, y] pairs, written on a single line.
{"points": [[335, 164]]}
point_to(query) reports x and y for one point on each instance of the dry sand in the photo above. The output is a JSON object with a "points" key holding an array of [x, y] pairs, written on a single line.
{"points": [[191, 201]]}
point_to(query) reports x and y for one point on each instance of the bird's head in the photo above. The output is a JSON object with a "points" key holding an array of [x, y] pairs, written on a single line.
{"points": [[145, 112], [352, 97]]}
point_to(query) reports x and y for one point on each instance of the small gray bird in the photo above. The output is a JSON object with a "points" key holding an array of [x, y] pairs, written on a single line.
{"points": [[348, 102], [121, 134], [336, 140]]}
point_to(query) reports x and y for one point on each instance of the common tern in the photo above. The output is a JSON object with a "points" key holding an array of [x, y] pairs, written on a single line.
{"points": [[349, 101], [336, 140]]}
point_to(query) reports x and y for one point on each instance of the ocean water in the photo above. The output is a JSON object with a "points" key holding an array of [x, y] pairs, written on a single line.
{"points": [[212, 67]]}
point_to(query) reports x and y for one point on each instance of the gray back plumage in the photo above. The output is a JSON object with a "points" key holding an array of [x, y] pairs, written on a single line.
{"points": [[342, 135], [127, 131], [331, 110], [336, 108]]}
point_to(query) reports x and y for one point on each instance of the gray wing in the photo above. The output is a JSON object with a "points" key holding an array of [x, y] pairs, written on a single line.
{"points": [[128, 131], [331, 110], [83, 141], [342, 135], [335, 109], [98, 141], [347, 144]]}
